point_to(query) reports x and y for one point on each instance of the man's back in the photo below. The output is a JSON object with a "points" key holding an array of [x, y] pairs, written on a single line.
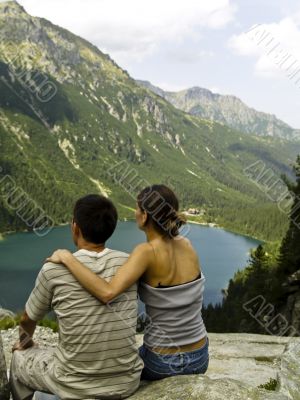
{"points": [[97, 354]]}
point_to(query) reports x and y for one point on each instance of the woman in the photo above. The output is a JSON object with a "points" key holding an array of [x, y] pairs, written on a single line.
{"points": [[170, 284]]}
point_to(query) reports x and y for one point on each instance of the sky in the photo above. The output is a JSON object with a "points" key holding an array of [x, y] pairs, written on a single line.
{"points": [[246, 48]]}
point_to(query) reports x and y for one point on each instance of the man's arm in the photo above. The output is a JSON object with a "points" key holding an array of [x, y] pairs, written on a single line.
{"points": [[26, 332], [37, 306]]}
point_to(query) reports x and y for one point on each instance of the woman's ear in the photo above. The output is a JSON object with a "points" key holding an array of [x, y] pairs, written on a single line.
{"points": [[144, 218]]}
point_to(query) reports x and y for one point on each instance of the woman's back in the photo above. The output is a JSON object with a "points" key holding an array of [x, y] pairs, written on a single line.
{"points": [[172, 292], [174, 262]]}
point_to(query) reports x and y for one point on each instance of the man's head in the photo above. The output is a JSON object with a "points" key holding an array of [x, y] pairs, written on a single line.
{"points": [[94, 219]]}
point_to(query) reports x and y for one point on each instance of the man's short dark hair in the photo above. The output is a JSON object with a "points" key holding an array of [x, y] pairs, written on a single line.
{"points": [[97, 218]]}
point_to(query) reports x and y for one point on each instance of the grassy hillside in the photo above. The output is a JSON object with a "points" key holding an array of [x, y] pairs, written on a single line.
{"points": [[60, 149]]}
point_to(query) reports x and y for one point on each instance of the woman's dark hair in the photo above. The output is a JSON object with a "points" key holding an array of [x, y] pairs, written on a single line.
{"points": [[96, 217], [161, 206]]}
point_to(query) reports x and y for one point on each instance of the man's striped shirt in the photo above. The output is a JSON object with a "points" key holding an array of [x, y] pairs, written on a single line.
{"points": [[97, 354]]}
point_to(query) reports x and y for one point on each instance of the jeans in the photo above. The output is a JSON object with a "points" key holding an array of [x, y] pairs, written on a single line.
{"points": [[159, 366]]}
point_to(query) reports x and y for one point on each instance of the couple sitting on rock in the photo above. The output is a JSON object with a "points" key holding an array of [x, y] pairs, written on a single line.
{"points": [[94, 296]]}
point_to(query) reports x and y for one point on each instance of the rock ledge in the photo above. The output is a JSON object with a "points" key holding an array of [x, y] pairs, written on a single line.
{"points": [[239, 363]]}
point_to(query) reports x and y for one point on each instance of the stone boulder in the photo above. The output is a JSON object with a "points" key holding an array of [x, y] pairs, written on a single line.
{"points": [[4, 392], [239, 364]]}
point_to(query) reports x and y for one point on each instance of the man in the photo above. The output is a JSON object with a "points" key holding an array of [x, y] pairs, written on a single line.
{"points": [[97, 356]]}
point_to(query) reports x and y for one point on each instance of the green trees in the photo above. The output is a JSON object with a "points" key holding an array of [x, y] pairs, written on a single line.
{"points": [[289, 260], [263, 278], [232, 315]]}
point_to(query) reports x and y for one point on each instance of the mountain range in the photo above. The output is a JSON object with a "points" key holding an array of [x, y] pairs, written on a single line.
{"points": [[69, 113], [227, 110]]}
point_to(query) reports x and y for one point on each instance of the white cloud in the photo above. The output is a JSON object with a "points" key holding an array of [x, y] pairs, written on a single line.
{"points": [[134, 28], [185, 56], [270, 44]]}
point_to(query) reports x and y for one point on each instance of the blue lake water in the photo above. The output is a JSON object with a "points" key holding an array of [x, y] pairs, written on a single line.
{"points": [[221, 253]]}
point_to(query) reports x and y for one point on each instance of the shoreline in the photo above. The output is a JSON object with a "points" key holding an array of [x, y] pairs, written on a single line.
{"points": [[214, 225], [5, 233], [190, 221], [209, 224]]}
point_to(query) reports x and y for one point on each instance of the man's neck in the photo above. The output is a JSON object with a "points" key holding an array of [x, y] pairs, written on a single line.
{"points": [[83, 245]]}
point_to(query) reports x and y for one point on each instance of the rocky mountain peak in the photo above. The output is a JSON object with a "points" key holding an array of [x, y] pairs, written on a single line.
{"points": [[227, 109], [11, 7]]}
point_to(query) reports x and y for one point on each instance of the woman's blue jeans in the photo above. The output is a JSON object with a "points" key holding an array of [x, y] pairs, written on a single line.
{"points": [[159, 366]]}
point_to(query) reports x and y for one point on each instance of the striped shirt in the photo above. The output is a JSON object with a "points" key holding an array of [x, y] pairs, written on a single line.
{"points": [[97, 354]]}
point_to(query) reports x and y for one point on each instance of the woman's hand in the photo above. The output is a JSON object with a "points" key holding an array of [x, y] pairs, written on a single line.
{"points": [[59, 257]]}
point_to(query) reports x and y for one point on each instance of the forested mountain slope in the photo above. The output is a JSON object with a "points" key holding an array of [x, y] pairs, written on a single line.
{"points": [[59, 139]]}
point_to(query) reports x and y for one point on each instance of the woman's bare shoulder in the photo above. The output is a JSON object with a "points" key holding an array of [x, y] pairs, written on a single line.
{"points": [[187, 245], [143, 249], [184, 241]]}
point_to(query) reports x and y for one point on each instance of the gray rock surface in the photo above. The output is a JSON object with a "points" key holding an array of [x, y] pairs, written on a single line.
{"points": [[289, 374], [239, 363], [4, 395]]}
